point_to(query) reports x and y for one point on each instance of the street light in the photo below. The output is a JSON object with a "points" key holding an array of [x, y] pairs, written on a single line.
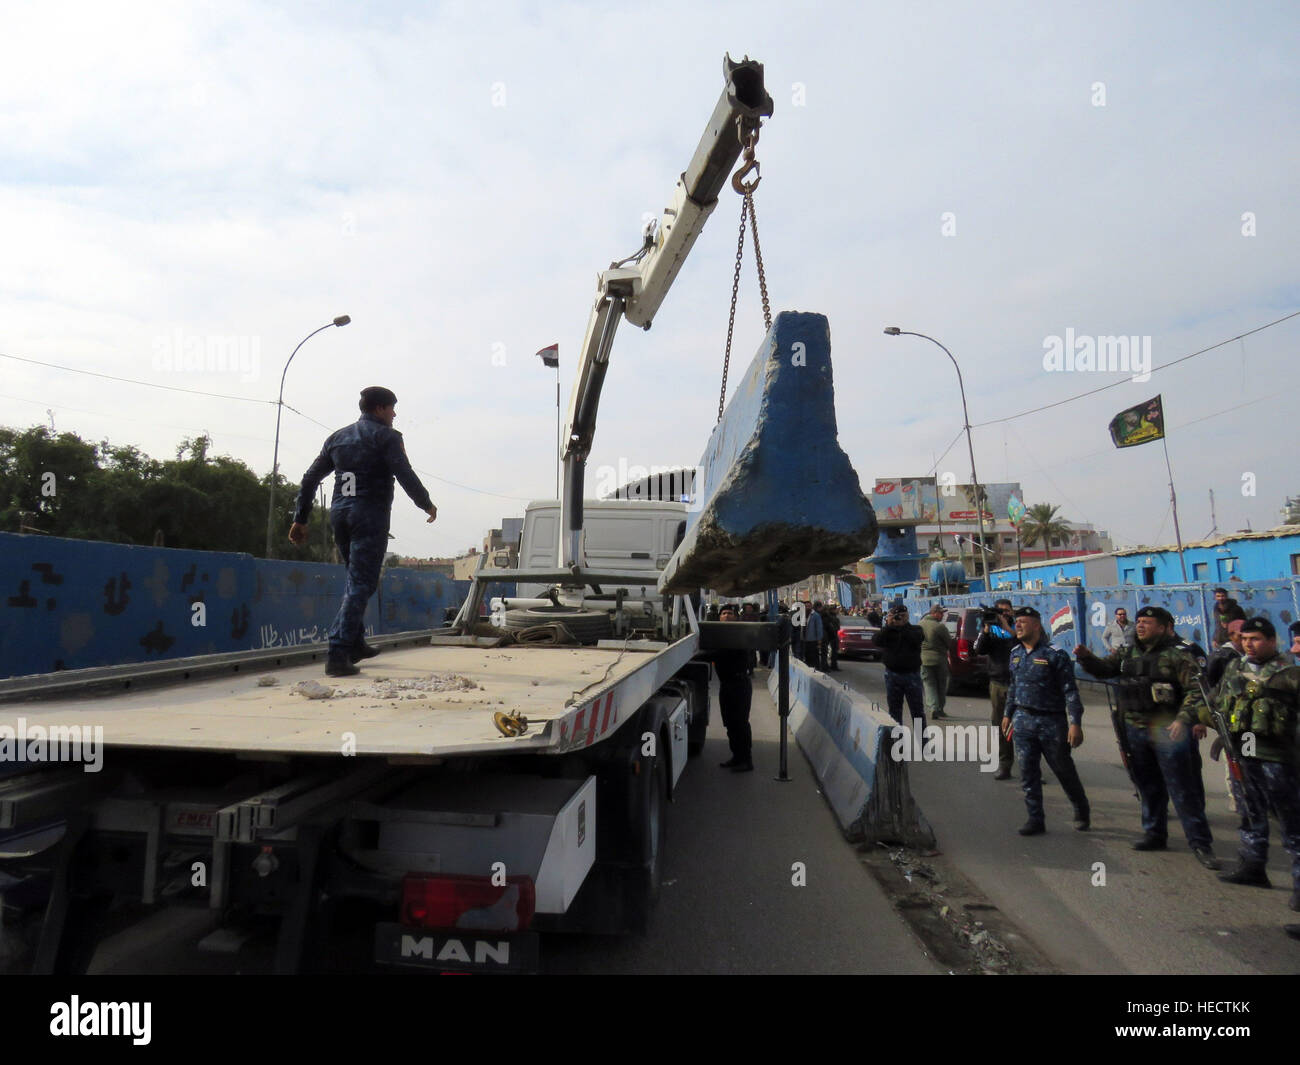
{"points": [[894, 331], [340, 321]]}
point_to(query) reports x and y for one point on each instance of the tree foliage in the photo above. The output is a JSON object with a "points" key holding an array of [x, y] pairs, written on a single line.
{"points": [[64, 486], [1041, 525]]}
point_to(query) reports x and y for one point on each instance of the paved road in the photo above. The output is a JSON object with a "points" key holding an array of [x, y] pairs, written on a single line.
{"points": [[728, 906], [1157, 913]]}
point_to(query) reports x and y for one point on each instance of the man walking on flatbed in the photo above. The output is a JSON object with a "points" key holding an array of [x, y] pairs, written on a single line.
{"points": [[365, 457]]}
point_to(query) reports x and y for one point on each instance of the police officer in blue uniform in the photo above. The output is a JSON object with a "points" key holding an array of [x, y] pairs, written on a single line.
{"points": [[364, 457], [1044, 716]]}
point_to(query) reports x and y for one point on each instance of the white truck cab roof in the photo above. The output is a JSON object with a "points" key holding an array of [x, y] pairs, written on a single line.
{"points": [[624, 535]]}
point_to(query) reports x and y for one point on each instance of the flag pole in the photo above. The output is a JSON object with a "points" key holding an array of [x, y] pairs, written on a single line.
{"points": [[1173, 501], [557, 425]]}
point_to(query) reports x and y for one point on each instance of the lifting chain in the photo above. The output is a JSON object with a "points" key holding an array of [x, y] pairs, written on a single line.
{"points": [[747, 212]]}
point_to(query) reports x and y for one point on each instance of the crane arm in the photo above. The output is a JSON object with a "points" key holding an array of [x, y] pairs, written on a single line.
{"points": [[635, 287]]}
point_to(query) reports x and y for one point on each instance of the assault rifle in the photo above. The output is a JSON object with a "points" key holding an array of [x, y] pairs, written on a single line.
{"points": [[1229, 745], [1121, 734]]}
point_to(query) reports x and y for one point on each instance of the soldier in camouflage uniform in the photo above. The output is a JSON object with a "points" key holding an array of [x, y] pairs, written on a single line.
{"points": [[1044, 715], [1161, 704], [365, 457], [1259, 696]]}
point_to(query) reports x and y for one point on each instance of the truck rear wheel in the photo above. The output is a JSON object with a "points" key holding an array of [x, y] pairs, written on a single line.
{"points": [[647, 883]]}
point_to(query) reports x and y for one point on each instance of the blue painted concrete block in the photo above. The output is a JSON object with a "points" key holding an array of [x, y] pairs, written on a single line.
{"points": [[781, 500]]}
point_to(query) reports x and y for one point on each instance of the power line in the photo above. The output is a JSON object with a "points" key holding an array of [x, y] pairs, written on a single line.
{"points": [[1125, 380], [307, 416], [1074, 459], [947, 449], [135, 381]]}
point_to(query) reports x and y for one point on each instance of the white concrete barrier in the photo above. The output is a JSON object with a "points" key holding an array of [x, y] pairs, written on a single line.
{"points": [[848, 742]]}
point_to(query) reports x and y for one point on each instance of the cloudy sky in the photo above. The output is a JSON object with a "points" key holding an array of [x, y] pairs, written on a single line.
{"points": [[189, 177]]}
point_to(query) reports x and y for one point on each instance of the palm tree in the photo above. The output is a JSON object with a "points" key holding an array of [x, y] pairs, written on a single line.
{"points": [[1040, 524]]}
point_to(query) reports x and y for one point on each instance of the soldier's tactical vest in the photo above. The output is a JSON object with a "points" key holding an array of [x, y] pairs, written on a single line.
{"points": [[1260, 705], [1144, 688]]}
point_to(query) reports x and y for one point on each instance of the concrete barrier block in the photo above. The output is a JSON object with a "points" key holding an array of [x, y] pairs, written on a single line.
{"points": [[847, 744], [781, 501]]}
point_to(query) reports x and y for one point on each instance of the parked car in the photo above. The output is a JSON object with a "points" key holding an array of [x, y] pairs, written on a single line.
{"points": [[966, 669], [858, 639]]}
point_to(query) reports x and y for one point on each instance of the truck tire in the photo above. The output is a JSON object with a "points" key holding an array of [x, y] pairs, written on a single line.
{"points": [[587, 626], [647, 883]]}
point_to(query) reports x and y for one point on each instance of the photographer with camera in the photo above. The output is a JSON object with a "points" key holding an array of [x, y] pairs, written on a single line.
{"points": [[900, 646], [996, 639]]}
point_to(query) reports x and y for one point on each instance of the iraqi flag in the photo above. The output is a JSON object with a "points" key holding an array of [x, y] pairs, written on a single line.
{"points": [[1062, 621], [551, 356]]}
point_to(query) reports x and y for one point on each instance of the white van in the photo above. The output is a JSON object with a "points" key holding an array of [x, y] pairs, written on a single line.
{"points": [[623, 535]]}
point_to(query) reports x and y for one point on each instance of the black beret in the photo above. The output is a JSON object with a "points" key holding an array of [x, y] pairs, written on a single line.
{"points": [[1158, 612], [1261, 625], [1295, 628], [1027, 612]]}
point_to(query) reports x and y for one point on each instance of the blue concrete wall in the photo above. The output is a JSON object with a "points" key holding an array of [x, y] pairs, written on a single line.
{"points": [[72, 604]]}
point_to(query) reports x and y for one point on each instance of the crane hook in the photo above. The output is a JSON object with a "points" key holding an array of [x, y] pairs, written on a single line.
{"points": [[738, 181]]}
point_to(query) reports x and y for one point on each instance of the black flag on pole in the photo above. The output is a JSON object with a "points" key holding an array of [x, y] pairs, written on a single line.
{"points": [[551, 355], [1139, 425]]}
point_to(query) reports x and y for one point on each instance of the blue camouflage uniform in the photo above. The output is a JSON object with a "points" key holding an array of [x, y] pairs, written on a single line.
{"points": [[1157, 685], [365, 457], [1042, 702]]}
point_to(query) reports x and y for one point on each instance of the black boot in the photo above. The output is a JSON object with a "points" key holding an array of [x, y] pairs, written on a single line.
{"points": [[1252, 874], [339, 664], [361, 649], [1032, 828], [1150, 843]]}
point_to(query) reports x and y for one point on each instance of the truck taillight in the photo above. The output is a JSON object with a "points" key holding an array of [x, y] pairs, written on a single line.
{"points": [[470, 902], [963, 649]]}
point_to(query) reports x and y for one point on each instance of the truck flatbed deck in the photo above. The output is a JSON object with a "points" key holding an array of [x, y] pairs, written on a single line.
{"points": [[571, 696]]}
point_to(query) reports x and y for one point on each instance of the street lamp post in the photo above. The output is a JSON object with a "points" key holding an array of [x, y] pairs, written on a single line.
{"points": [[340, 321], [894, 331]]}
